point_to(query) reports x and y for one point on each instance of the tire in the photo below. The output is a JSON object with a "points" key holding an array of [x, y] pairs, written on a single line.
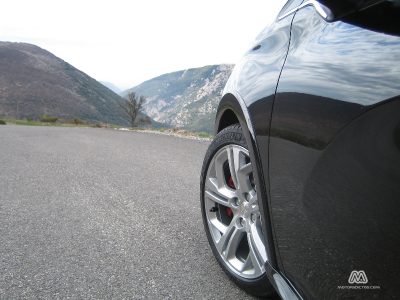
{"points": [[231, 217]]}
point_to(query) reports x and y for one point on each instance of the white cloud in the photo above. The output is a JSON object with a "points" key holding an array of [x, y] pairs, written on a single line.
{"points": [[126, 42]]}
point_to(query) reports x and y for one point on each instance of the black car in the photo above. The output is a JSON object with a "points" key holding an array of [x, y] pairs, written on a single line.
{"points": [[300, 189]]}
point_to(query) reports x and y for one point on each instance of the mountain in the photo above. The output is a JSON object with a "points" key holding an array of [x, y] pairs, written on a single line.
{"points": [[111, 86], [187, 98], [34, 82]]}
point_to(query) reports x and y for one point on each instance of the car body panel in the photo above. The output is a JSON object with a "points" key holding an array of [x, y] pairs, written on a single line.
{"points": [[334, 158], [330, 170]]}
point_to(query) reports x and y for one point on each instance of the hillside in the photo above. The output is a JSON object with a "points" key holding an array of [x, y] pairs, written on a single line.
{"points": [[34, 82], [187, 98], [111, 86]]}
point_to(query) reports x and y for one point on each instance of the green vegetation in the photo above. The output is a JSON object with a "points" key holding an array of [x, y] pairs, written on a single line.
{"points": [[78, 122], [48, 119], [203, 134], [178, 132], [61, 123], [2, 122], [31, 122], [81, 123]]}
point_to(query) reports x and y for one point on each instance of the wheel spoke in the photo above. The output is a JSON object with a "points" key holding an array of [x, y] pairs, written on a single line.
{"points": [[220, 195], [247, 265], [243, 178], [218, 225], [217, 199], [258, 253], [252, 259], [253, 201], [234, 163], [234, 242], [226, 234], [220, 160]]}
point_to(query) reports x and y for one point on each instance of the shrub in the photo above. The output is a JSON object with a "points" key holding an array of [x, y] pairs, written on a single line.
{"points": [[78, 121], [203, 134], [143, 120], [2, 122], [48, 119]]}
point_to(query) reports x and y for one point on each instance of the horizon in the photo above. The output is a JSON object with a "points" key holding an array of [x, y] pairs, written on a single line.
{"points": [[135, 47]]}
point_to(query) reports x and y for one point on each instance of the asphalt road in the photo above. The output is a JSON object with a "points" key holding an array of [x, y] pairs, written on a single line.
{"points": [[98, 213]]}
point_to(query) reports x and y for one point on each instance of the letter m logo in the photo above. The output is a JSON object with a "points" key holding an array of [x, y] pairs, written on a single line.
{"points": [[358, 277]]}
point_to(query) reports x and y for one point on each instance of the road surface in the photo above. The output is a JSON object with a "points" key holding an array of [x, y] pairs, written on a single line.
{"points": [[98, 213]]}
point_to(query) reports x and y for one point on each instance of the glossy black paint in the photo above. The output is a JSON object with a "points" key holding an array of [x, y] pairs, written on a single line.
{"points": [[322, 104]]}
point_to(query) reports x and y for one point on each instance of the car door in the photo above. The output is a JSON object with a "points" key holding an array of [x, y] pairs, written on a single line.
{"points": [[334, 154]]}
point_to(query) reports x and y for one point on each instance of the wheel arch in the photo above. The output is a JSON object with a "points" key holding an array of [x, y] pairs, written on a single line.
{"points": [[232, 110], [229, 112]]}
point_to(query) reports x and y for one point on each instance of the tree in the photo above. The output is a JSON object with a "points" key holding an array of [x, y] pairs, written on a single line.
{"points": [[132, 106]]}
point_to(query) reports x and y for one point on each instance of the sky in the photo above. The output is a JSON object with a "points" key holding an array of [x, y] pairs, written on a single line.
{"points": [[126, 42]]}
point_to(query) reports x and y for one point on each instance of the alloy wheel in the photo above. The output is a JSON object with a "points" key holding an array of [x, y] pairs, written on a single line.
{"points": [[232, 212]]}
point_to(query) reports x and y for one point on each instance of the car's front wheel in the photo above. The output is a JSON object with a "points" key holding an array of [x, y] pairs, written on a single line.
{"points": [[230, 211]]}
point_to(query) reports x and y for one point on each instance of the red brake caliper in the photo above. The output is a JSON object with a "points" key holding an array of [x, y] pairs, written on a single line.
{"points": [[230, 183]]}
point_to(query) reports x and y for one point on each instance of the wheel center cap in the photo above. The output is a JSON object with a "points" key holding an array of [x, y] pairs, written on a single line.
{"points": [[244, 208]]}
